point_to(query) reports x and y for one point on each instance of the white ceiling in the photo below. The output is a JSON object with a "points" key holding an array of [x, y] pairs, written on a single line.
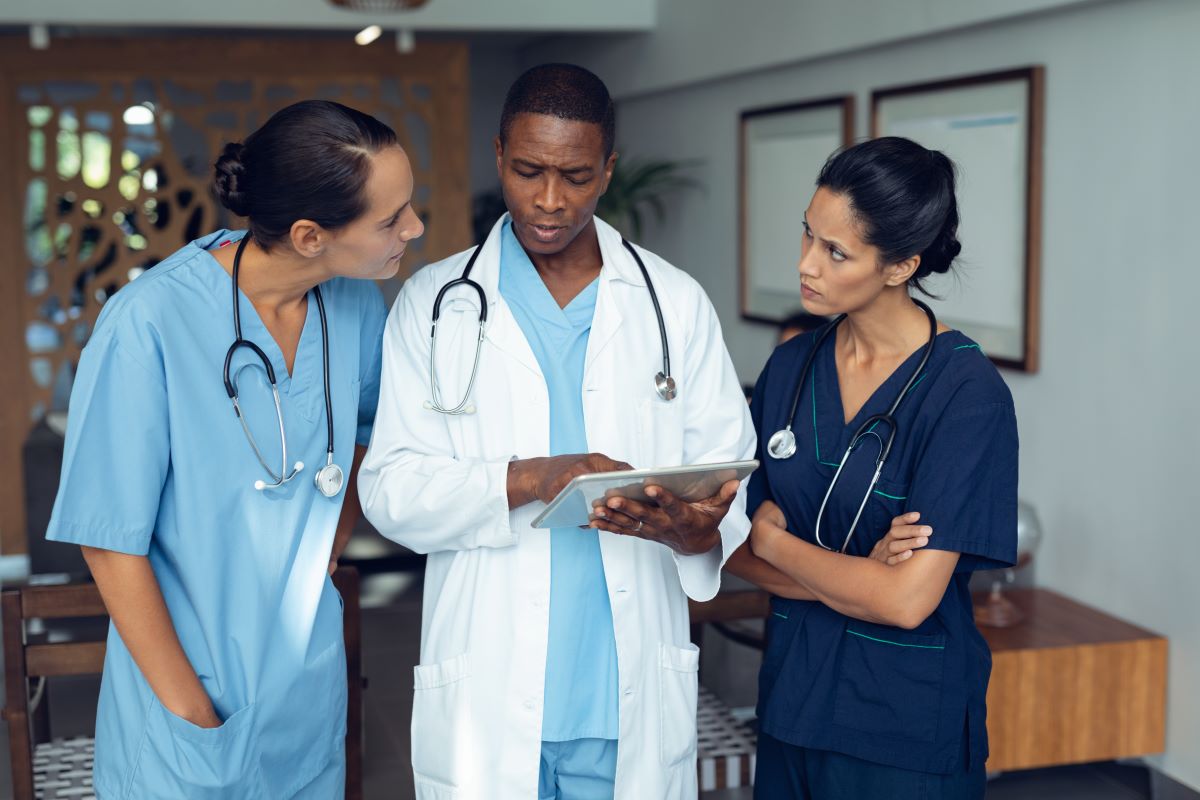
{"points": [[578, 16]]}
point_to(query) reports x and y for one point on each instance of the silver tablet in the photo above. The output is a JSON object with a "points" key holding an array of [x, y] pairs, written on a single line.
{"points": [[572, 507]]}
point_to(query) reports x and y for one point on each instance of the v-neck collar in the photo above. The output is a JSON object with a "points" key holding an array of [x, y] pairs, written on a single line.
{"points": [[306, 371], [832, 419], [517, 267]]}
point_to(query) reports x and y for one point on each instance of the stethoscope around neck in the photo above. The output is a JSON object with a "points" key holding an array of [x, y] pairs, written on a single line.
{"points": [[664, 384], [329, 478], [782, 444]]}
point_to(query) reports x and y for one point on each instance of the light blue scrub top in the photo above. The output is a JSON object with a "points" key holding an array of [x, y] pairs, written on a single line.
{"points": [[156, 464], [581, 657]]}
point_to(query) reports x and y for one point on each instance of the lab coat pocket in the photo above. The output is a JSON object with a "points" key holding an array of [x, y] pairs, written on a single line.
{"points": [[890, 682], [432, 790], [438, 722], [679, 672], [180, 759], [660, 428]]}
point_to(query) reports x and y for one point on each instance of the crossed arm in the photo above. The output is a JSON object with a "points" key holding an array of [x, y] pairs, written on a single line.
{"points": [[895, 586]]}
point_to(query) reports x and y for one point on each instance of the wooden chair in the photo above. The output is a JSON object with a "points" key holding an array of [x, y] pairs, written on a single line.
{"points": [[24, 660], [725, 744]]}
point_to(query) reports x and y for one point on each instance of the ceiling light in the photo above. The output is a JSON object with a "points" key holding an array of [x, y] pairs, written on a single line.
{"points": [[378, 5], [368, 34]]}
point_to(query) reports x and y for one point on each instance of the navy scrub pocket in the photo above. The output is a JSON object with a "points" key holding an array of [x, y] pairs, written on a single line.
{"points": [[888, 501], [890, 682]]}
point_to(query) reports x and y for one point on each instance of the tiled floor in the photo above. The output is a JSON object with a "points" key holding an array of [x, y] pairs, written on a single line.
{"points": [[391, 631]]}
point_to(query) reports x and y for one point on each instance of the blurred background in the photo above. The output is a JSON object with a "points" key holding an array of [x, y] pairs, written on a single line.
{"points": [[1074, 123]]}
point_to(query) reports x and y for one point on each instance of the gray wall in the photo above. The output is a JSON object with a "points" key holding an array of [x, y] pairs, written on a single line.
{"points": [[1108, 444], [702, 40]]}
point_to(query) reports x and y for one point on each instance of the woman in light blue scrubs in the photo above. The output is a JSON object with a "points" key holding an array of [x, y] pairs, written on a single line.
{"points": [[225, 675], [874, 679]]}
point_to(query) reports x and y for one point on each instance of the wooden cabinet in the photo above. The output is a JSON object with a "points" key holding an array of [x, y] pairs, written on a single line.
{"points": [[1071, 684]]}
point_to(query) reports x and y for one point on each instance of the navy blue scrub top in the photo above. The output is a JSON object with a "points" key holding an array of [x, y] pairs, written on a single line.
{"points": [[879, 693]]}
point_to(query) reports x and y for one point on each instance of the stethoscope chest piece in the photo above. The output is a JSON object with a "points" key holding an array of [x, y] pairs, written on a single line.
{"points": [[665, 386], [329, 480], [782, 444]]}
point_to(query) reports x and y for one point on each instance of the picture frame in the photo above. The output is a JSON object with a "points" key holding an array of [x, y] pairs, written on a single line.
{"points": [[991, 126], [781, 151]]}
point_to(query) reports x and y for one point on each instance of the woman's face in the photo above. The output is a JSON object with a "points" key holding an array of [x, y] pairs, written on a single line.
{"points": [[839, 272], [372, 245]]}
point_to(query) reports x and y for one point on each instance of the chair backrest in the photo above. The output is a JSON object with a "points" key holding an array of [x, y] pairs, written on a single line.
{"points": [[23, 661], [42, 660]]}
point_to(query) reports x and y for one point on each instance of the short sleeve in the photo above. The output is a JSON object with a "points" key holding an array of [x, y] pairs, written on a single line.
{"points": [[117, 452], [371, 358], [758, 489], [965, 486]]}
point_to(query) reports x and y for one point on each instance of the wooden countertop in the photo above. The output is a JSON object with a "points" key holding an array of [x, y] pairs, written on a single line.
{"points": [[1052, 620]]}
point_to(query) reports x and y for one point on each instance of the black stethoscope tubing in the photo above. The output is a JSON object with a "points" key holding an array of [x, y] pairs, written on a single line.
{"points": [[329, 478], [782, 445], [664, 384]]}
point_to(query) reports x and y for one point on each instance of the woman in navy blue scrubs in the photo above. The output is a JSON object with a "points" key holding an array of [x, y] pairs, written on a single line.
{"points": [[874, 679]]}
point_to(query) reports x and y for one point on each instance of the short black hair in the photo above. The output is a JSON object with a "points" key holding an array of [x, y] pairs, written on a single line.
{"points": [[565, 91], [902, 195]]}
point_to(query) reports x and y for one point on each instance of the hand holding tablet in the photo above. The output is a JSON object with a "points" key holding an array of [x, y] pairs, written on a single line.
{"points": [[573, 505]]}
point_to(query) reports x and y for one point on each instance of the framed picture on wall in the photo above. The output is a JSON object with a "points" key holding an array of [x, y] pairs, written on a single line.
{"points": [[991, 127], [782, 150]]}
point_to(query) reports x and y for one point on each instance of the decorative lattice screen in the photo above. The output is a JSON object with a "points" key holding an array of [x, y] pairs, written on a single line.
{"points": [[111, 170]]}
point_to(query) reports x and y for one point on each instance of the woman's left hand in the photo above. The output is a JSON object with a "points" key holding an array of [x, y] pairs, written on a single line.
{"points": [[686, 528], [764, 532]]}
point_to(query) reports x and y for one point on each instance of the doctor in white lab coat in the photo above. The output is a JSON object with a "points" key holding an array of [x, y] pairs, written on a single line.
{"points": [[464, 488]]}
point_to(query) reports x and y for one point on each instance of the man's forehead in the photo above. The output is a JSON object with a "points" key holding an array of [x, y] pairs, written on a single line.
{"points": [[546, 128]]}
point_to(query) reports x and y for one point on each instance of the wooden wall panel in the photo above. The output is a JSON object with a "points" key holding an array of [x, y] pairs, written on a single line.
{"points": [[214, 90]]}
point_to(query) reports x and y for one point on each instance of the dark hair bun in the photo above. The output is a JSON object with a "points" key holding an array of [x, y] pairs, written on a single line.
{"points": [[940, 255], [310, 160], [903, 196], [230, 180]]}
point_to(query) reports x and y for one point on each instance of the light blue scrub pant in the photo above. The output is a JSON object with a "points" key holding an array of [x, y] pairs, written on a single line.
{"points": [[581, 769]]}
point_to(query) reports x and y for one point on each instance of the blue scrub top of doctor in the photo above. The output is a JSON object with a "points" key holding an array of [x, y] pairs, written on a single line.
{"points": [[580, 699], [156, 464], [911, 699]]}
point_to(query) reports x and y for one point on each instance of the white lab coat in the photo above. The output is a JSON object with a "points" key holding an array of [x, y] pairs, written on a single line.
{"points": [[437, 484]]}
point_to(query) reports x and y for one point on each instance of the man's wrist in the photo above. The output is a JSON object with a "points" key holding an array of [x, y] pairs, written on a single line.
{"points": [[703, 543], [521, 485]]}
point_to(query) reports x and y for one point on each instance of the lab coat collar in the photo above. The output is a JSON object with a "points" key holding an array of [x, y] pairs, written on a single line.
{"points": [[619, 265], [503, 329]]}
